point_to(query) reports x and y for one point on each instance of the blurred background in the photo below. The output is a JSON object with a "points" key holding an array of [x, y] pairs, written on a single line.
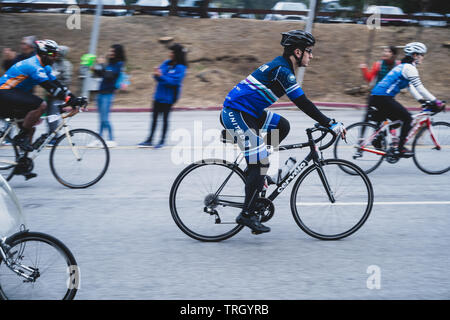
{"points": [[224, 47]]}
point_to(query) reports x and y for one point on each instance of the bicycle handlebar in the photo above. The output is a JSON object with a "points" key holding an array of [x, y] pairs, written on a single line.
{"points": [[325, 131], [82, 102], [432, 108]]}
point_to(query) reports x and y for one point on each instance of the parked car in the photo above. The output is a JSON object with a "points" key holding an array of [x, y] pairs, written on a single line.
{"points": [[342, 14], [389, 10], [432, 22], [108, 12], [289, 6], [53, 10], [15, 9], [155, 3], [198, 4]]}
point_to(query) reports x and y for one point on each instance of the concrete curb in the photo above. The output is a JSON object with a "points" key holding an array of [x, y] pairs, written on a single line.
{"points": [[276, 105]]}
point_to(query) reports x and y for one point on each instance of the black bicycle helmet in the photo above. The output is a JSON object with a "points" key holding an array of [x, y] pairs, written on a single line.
{"points": [[297, 39], [46, 47]]}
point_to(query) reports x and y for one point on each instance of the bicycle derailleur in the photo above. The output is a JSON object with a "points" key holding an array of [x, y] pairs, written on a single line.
{"points": [[210, 203]]}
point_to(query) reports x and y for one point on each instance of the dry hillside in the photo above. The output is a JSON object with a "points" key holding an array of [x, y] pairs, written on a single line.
{"points": [[223, 51]]}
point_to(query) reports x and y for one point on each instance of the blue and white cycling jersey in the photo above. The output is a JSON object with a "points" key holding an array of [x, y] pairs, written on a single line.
{"points": [[402, 76], [264, 87], [26, 74]]}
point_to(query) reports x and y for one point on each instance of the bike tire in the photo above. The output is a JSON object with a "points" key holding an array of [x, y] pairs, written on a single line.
{"points": [[357, 185], [86, 141], [425, 153], [67, 284], [9, 152], [175, 208], [368, 162]]}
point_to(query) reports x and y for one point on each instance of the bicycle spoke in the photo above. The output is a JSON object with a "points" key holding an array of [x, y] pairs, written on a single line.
{"points": [[197, 208]]}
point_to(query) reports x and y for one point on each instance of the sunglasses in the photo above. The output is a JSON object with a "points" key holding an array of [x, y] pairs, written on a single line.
{"points": [[309, 50]]}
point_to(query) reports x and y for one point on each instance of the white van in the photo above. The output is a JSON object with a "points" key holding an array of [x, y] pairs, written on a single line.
{"points": [[288, 6]]}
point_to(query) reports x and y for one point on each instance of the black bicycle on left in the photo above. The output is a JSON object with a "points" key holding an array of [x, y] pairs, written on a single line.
{"points": [[33, 265]]}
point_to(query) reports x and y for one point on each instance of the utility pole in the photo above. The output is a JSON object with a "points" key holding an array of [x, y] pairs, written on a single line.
{"points": [[308, 28], [93, 45]]}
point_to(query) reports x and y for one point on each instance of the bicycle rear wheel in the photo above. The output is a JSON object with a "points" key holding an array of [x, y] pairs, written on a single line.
{"points": [[316, 214], [428, 157], [79, 160], [199, 209], [350, 151], [9, 154], [51, 267]]}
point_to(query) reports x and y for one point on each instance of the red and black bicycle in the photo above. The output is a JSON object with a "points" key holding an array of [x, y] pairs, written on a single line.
{"points": [[369, 144]]}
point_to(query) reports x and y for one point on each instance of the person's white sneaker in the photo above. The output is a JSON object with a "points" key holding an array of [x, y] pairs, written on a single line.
{"points": [[111, 143]]}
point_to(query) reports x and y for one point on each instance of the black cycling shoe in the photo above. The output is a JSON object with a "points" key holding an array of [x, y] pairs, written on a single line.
{"points": [[403, 153], [252, 222], [30, 175], [23, 141]]}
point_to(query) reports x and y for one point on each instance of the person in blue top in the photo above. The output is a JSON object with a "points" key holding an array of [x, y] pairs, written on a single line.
{"points": [[403, 75], [109, 71], [169, 77], [244, 115], [16, 99]]}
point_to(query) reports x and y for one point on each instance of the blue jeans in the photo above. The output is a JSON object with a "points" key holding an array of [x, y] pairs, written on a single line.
{"points": [[104, 103]]}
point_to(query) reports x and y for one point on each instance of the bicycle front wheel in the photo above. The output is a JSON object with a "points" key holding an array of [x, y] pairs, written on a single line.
{"points": [[432, 149], [357, 133], [329, 204], [40, 268], [79, 159], [206, 198]]}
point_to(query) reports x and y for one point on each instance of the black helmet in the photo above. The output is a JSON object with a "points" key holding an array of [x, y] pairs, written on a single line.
{"points": [[297, 39], [46, 47]]}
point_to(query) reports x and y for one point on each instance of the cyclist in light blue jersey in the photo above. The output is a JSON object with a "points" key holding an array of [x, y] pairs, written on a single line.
{"points": [[402, 76], [244, 115], [16, 99]]}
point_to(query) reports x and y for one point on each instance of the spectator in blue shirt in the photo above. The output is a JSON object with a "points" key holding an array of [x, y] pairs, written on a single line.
{"points": [[109, 72], [169, 77]]}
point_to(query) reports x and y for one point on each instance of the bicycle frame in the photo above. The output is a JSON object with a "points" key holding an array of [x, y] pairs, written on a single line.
{"points": [[420, 120], [283, 184], [63, 125]]}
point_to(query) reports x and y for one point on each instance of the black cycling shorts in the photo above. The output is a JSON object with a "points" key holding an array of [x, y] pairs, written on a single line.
{"points": [[15, 103]]}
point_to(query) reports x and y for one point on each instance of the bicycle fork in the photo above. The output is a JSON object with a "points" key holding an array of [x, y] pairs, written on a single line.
{"points": [[19, 269]]}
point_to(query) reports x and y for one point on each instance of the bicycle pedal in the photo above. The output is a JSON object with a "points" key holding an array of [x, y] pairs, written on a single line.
{"points": [[256, 232]]}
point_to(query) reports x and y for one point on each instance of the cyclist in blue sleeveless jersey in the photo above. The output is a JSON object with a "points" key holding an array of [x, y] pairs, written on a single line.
{"points": [[244, 115], [402, 76], [16, 99]]}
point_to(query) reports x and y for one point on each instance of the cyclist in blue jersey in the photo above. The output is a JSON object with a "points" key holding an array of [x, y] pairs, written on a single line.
{"points": [[16, 99], [244, 115], [403, 75]]}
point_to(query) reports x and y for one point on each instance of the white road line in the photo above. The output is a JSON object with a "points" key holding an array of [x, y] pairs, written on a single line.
{"points": [[388, 203]]}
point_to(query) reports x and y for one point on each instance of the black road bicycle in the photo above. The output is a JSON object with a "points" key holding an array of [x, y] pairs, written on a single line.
{"points": [[326, 202]]}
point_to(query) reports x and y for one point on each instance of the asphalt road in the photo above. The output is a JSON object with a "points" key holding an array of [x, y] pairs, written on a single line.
{"points": [[128, 247]]}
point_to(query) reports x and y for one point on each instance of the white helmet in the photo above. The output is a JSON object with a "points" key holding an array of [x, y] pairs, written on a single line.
{"points": [[415, 47]]}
